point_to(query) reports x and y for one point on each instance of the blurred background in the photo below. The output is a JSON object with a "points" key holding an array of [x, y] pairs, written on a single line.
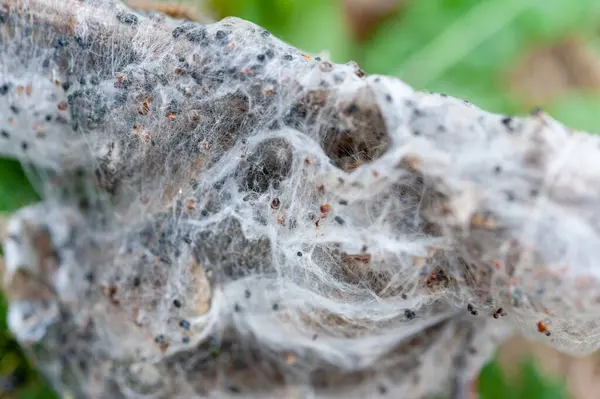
{"points": [[506, 56]]}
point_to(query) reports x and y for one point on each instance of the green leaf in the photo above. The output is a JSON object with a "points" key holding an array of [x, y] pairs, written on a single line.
{"points": [[535, 385], [557, 18], [319, 25], [432, 38], [531, 385], [15, 190], [311, 25], [578, 110], [407, 32], [492, 384]]}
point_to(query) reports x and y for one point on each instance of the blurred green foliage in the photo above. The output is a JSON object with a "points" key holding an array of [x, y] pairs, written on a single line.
{"points": [[493, 384], [15, 190], [459, 47]]}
